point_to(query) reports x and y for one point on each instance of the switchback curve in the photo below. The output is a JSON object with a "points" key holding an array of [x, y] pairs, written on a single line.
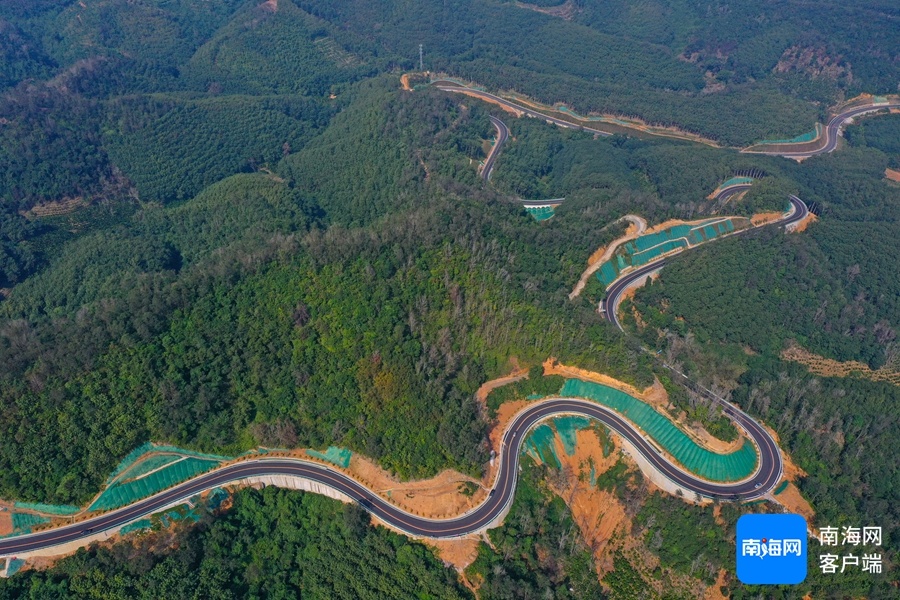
{"points": [[766, 476]]}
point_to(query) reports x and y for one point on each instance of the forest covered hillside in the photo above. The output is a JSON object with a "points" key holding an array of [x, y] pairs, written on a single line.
{"points": [[224, 226]]}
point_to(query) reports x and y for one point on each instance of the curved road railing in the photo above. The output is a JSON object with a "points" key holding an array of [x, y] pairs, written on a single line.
{"points": [[766, 476], [609, 306], [831, 134]]}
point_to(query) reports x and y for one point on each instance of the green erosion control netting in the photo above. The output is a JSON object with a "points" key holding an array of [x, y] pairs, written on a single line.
{"points": [[781, 487], [647, 248], [735, 181], [334, 455], [541, 213], [148, 465], [13, 566], [24, 522], [50, 509], [138, 454], [567, 428], [136, 526], [740, 464], [126, 492], [806, 137], [216, 497], [539, 444]]}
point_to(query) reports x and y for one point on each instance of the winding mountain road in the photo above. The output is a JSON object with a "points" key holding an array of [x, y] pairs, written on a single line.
{"points": [[832, 131], [768, 471], [610, 305], [450, 86], [502, 136], [766, 476]]}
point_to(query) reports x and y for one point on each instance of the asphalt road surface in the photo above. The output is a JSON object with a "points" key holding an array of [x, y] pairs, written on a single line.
{"points": [[768, 472], [732, 190], [454, 87], [766, 476], [832, 131], [618, 287], [502, 136]]}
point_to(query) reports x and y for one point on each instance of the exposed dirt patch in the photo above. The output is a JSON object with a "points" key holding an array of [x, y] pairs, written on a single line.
{"points": [[672, 223], [438, 497], [802, 225], [565, 11], [459, 553], [892, 175], [766, 217], [636, 227], [714, 592], [794, 502], [55, 209], [270, 5], [475, 94], [505, 414], [404, 83], [598, 513], [554, 367], [828, 367], [6, 527], [485, 389]]}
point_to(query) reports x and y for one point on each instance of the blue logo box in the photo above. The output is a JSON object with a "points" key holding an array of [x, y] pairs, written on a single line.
{"points": [[771, 549]]}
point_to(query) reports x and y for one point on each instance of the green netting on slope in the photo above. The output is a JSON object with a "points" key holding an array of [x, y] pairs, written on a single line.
{"points": [[147, 448], [539, 444], [735, 181], [215, 499], [136, 526], [151, 463], [607, 273], [781, 487], [567, 428], [122, 494], [129, 460], [705, 233], [50, 509], [709, 465], [650, 240], [541, 213], [23, 522], [334, 455], [181, 512], [648, 248], [13, 566], [647, 256], [806, 137]]}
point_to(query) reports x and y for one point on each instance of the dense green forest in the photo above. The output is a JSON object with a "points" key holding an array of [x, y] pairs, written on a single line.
{"points": [[233, 319], [831, 289], [270, 544], [538, 551], [270, 244]]}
